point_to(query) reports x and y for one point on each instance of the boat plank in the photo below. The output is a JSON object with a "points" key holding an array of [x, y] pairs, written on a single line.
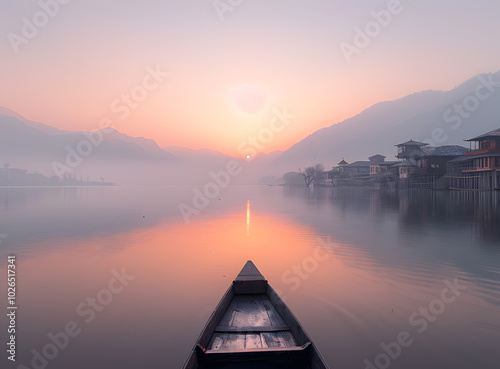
{"points": [[278, 339], [253, 341], [215, 317], [250, 312], [288, 316], [271, 311], [229, 314], [273, 328], [218, 340], [234, 341]]}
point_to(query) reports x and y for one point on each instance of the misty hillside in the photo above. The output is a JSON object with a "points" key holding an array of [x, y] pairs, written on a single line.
{"points": [[135, 160], [185, 153], [208, 157], [196, 164], [112, 134], [119, 158], [377, 129], [30, 148], [39, 126]]}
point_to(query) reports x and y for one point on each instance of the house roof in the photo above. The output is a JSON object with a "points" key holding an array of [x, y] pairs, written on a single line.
{"points": [[471, 157], [488, 155], [450, 150], [377, 156], [343, 162], [333, 170], [412, 143], [459, 159], [404, 163], [492, 134], [389, 163], [358, 164]]}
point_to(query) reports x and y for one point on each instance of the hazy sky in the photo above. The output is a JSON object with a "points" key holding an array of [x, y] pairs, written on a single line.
{"points": [[228, 70]]}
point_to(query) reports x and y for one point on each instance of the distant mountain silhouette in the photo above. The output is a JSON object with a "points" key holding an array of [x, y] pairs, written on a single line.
{"points": [[36, 149], [147, 144], [120, 158], [40, 126], [183, 153], [423, 116], [377, 129]]}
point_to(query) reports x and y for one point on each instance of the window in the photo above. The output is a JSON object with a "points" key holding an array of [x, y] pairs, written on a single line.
{"points": [[423, 163], [485, 144]]}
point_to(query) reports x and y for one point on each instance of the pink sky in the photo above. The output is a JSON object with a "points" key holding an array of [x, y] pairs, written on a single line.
{"points": [[227, 76]]}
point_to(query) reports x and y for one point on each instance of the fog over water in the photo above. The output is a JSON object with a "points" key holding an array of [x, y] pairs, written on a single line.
{"points": [[388, 254]]}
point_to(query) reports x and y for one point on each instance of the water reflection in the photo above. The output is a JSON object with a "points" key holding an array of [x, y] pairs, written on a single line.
{"points": [[389, 253], [180, 272], [477, 211], [248, 217], [410, 233]]}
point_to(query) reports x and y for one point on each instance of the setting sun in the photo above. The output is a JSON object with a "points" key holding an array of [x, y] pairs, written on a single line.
{"points": [[334, 166]]}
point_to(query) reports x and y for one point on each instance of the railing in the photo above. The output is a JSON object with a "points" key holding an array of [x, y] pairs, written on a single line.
{"points": [[482, 152], [478, 169]]}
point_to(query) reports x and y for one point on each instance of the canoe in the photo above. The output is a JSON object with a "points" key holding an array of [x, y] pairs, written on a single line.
{"points": [[252, 327]]}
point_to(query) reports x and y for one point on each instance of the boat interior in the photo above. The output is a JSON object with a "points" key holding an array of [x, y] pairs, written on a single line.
{"points": [[253, 328]]}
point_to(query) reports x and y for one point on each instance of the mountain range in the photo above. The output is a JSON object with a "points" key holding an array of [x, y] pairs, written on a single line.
{"points": [[435, 117]]}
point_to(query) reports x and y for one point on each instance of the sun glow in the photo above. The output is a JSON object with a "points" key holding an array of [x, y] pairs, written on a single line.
{"points": [[248, 99], [248, 217]]}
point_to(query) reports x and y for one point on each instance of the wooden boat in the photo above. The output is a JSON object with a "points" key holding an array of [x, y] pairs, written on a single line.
{"points": [[253, 328]]}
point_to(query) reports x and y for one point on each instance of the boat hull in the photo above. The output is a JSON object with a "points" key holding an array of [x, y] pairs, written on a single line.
{"points": [[252, 327]]}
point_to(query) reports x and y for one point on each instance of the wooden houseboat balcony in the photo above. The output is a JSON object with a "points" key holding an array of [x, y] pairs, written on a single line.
{"points": [[483, 152], [478, 170]]}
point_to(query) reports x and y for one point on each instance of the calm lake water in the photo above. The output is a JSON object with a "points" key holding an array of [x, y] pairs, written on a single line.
{"points": [[359, 268]]}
